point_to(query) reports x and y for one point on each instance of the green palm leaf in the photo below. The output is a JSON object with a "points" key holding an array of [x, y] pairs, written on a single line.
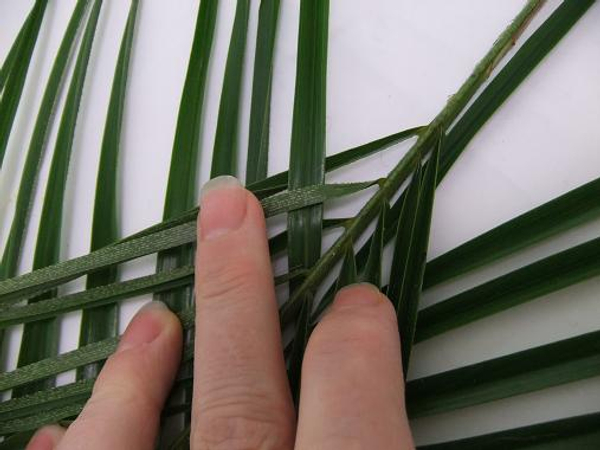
{"points": [[181, 186], [9, 62], [541, 277], [224, 160], [560, 214], [12, 251], [260, 110], [40, 340], [549, 365], [100, 323], [15, 78]]}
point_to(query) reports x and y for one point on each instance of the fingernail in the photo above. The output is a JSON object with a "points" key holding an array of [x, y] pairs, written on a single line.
{"points": [[46, 438], [222, 207], [358, 294], [145, 326]]}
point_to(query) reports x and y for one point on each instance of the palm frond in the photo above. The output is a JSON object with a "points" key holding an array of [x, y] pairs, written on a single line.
{"points": [[403, 169]]}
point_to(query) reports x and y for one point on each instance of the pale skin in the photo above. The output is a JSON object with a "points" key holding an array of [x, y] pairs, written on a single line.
{"points": [[352, 390]]}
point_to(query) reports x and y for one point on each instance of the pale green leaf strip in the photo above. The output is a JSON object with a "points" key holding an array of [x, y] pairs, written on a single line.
{"points": [[58, 364], [12, 251], [224, 159], [55, 275], [529, 370], [27, 285], [13, 87], [310, 195], [36, 421], [84, 355], [46, 399], [98, 324], [260, 109], [94, 297]]}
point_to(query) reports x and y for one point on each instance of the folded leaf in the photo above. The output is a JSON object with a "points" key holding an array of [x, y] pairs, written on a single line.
{"points": [[260, 109]]}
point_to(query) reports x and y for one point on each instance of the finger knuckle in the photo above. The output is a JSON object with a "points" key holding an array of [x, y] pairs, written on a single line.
{"points": [[227, 279], [241, 422]]}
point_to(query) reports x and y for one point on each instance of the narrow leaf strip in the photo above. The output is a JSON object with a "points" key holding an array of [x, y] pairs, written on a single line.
{"points": [[560, 214], [408, 305], [372, 270], [224, 160], [530, 370], [40, 340], [27, 285], [12, 251], [347, 274], [298, 347], [84, 355], [8, 63], [102, 295], [573, 433], [46, 399], [15, 81], [307, 150], [181, 186], [260, 109], [100, 323], [38, 420], [341, 159], [541, 277], [58, 364]]}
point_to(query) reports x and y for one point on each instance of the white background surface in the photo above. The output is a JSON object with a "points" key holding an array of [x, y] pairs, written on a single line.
{"points": [[392, 65]]}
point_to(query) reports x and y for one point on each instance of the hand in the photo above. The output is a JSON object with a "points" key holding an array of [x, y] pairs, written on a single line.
{"points": [[352, 394]]}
